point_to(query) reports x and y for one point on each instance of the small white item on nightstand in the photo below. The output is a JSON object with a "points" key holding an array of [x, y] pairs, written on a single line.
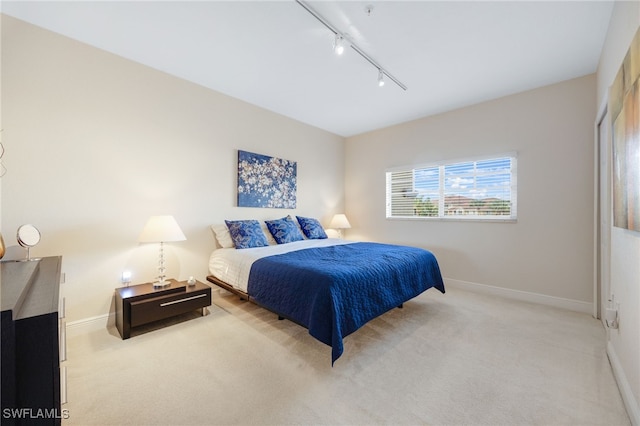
{"points": [[126, 278], [191, 281]]}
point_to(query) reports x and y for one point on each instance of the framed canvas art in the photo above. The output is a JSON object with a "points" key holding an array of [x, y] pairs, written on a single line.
{"points": [[265, 181], [624, 106]]}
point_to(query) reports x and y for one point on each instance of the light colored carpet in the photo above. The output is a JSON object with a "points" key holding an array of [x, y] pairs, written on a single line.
{"points": [[452, 359]]}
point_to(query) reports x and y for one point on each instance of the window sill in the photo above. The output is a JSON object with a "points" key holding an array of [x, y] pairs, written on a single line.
{"points": [[456, 219]]}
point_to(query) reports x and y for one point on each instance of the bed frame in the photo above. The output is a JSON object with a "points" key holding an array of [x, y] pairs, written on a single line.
{"points": [[222, 284], [247, 297]]}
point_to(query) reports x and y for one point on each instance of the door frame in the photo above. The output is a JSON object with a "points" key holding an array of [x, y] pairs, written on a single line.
{"points": [[601, 261]]}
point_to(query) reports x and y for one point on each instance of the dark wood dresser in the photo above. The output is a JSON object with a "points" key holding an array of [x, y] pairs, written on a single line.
{"points": [[31, 342]]}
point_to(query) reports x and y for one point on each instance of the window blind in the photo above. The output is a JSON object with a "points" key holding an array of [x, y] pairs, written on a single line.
{"points": [[474, 189]]}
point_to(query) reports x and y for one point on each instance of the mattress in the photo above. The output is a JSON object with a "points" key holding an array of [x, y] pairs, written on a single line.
{"points": [[233, 266]]}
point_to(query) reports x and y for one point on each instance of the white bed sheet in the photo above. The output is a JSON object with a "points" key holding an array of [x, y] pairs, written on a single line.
{"points": [[233, 266]]}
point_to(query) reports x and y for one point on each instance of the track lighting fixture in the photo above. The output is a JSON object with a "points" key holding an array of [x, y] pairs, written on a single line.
{"points": [[380, 78], [338, 46]]}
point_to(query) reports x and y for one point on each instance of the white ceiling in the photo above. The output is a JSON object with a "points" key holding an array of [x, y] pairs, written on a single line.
{"points": [[276, 55]]}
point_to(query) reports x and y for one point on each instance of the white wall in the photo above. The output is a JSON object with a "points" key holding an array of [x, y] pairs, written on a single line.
{"points": [[624, 343], [95, 144], [549, 250]]}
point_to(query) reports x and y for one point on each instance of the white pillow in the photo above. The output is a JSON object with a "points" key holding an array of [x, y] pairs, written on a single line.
{"points": [[223, 236]]}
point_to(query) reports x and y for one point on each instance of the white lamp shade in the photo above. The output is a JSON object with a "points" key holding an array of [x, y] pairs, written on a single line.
{"points": [[161, 229], [339, 221]]}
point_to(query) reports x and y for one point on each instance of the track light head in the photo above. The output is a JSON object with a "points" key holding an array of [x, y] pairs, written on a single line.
{"points": [[340, 41], [338, 44]]}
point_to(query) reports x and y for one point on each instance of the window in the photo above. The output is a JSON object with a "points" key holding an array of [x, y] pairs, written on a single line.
{"points": [[483, 189]]}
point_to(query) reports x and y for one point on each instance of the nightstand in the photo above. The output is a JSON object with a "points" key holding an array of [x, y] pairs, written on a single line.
{"points": [[141, 304]]}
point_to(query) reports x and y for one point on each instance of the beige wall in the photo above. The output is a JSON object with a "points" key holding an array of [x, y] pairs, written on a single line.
{"points": [[549, 250], [95, 144], [624, 343]]}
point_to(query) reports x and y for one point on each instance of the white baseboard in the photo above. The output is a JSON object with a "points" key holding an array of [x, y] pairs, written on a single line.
{"points": [[630, 402], [102, 322], [87, 325], [525, 296]]}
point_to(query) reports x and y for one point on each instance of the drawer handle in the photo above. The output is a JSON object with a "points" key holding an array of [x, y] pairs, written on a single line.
{"points": [[173, 302]]}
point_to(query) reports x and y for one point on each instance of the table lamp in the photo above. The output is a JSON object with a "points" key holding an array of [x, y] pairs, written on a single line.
{"points": [[339, 222], [161, 229]]}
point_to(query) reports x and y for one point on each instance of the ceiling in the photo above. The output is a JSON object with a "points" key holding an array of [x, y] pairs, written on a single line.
{"points": [[276, 55]]}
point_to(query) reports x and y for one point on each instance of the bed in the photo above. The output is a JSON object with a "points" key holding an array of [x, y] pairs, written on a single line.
{"points": [[330, 286]]}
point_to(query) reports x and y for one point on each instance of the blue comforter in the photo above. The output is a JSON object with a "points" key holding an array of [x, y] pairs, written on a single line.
{"points": [[335, 290]]}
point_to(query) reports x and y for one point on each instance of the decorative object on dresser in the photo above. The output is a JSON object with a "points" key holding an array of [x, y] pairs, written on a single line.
{"points": [[28, 236], [340, 222], [161, 229], [145, 303], [33, 341]]}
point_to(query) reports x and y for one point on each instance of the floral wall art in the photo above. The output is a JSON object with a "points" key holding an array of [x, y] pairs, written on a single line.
{"points": [[624, 106], [265, 181]]}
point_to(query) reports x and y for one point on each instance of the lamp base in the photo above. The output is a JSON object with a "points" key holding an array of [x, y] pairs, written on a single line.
{"points": [[161, 284]]}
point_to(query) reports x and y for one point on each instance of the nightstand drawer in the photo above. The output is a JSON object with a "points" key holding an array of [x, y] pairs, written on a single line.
{"points": [[148, 310]]}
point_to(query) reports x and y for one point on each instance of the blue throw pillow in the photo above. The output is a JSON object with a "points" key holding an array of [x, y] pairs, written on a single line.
{"points": [[311, 228], [284, 230], [246, 233]]}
